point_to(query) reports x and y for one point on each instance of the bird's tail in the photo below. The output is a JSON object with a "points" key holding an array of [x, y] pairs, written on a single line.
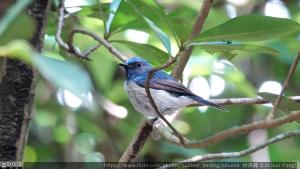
{"points": [[207, 103]]}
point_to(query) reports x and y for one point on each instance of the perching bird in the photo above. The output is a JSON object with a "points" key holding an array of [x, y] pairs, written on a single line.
{"points": [[168, 94]]}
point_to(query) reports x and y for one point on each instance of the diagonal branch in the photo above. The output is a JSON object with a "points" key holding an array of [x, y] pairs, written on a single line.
{"points": [[285, 85], [138, 141], [185, 55], [197, 28], [69, 46], [154, 106], [73, 49], [103, 42], [264, 124], [244, 152], [144, 129]]}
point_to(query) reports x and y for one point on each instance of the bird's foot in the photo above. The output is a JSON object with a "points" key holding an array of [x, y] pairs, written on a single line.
{"points": [[181, 139]]}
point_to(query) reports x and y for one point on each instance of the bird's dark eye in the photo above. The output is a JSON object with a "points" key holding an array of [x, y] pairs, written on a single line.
{"points": [[138, 64]]}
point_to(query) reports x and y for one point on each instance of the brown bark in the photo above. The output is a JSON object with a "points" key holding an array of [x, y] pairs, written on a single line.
{"points": [[17, 92]]}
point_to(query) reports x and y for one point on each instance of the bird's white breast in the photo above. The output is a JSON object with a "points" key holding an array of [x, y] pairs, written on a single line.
{"points": [[165, 102]]}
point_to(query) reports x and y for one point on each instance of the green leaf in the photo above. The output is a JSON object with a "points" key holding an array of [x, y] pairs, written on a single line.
{"points": [[154, 55], [93, 11], [18, 49], [152, 11], [11, 15], [228, 49], [286, 105], [162, 36], [125, 18], [250, 28], [16, 29], [53, 55], [102, 69], [183, 28], [65, 75], [130, 15], [149, 4], [113, 9]]}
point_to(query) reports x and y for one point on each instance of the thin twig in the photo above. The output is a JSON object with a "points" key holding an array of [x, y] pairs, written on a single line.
{"points": [[241, 101], [285, 85], [196, 29], [245, 151], [66, 46], [154, 106], [60, 25], [69, 46], [232, 131], [203, 13], [185, 55], [76, 50], [103, 42], [140, 139]]}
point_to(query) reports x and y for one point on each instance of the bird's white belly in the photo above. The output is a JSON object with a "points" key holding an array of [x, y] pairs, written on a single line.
{"points": [[165, 102]]}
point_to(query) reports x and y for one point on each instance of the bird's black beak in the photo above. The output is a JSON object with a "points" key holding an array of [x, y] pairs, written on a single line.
{"points": [[124, 65]]}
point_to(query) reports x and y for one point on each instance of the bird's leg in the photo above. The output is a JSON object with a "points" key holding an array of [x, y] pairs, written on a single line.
{"points": [[177, 134], [174, 131], [180, 137]]}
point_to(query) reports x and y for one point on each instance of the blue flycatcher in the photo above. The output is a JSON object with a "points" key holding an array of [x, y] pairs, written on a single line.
{"points": [[168, 94]]}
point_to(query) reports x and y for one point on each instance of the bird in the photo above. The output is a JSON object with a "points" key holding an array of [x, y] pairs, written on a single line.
{"points": [[168, 94]]}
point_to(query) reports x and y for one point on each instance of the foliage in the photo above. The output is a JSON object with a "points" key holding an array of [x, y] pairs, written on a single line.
{"points": [[242, 29], [100, 131]]}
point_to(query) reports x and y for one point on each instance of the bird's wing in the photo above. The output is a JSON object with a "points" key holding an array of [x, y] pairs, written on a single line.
{"points": [[170, 86], [163, 81]]}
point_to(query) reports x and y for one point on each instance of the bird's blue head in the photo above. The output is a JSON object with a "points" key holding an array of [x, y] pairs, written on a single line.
{"points": [[135, 67]]}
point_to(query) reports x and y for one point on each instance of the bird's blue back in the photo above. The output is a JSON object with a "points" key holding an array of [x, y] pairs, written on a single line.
{"points": [[160, 80]]}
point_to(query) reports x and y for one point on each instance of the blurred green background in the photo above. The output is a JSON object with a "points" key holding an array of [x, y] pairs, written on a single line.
{"points": [[99, 125]]}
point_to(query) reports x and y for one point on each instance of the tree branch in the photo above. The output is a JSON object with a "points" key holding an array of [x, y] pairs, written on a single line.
{"points": [[69, 46], [264, 124], [154, 106], [285, 85], [179, 66], [17, 91], [147, 127], [185, 55], [244, 152], [103, 42], [242, 101], [130, 153], [138, 141]]}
